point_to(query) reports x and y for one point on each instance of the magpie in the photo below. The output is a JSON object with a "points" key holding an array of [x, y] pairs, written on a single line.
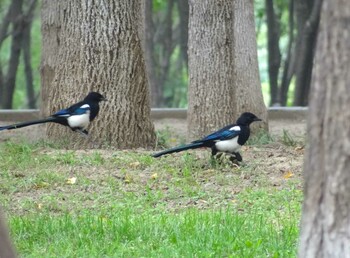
{"points": [[227, 140], [77, 117]]}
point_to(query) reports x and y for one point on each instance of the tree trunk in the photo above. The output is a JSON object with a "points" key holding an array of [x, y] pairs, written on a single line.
{"points": [[6, 21], [307, 43], [246, 73], [15, 51], [167, 48], [6, 248], [96, 46], [155, 88], [325, 230], [183, 15], [211, 97], [223, 70], [289, 64], [274, 53], [26, 46]]}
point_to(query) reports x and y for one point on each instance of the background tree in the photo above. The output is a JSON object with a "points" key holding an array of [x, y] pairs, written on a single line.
{"points": [[16, 25], [166, 29], [298, 53], [93, 45], [221, 83], [325, 220], [274, 53]]}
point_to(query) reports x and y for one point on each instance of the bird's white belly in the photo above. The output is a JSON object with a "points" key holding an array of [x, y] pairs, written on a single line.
{"points": [[230, 145], [79, 121]]}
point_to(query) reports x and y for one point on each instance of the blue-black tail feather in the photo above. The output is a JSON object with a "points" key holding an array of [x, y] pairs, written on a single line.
{"points": [[179, 148], [24, 124]]}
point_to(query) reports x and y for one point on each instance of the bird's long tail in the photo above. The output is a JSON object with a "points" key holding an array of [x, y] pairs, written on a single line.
{"points": [[24, 124], [179, 148]]}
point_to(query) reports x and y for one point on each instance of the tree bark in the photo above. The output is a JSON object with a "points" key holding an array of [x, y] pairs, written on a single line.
{"points": [[246, 73], [211, 97], [221, 84], [325, 230], [96, 46], [274, 53], [6, 248]]}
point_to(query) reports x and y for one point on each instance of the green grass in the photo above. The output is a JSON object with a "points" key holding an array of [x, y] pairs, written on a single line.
{"points": [[128, 204]]}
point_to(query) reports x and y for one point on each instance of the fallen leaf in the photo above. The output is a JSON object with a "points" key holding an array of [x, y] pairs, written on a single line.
{"points": [[41, 185], [299, 148], [287, 175], [127, 179], [39, 206], [154, 176], [71, 181], [134, 164]]}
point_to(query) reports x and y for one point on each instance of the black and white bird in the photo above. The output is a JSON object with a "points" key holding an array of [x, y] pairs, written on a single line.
{"points": [[227, 140], [77, 117]]}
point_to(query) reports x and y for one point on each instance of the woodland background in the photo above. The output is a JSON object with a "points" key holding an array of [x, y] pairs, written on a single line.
{"points": [[283, 28]]}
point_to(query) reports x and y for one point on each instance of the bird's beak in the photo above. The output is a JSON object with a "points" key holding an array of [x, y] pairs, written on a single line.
{"points": [[104, 99], [257, 119]]}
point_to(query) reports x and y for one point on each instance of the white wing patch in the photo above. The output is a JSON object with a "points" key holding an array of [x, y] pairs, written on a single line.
{"points": [[235, 128], [229, 146], [85, 106]]}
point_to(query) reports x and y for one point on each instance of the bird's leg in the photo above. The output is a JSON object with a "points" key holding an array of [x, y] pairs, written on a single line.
{"points": [[214, 151], [238, 156], [85, 133], [235, 158], [213, 159]]}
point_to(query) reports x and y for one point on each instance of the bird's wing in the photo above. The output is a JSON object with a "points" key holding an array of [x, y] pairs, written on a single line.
{"points": [[228, 132], [76, 109]]}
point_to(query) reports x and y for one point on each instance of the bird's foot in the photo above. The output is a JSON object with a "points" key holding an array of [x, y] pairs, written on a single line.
{"points": [[85, 134], [236, 159]]}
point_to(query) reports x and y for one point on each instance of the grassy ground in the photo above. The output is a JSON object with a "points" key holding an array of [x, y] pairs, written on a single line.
{"points": [[105, 203]]}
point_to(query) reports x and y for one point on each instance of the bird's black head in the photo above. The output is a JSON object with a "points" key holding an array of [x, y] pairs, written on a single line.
{"points": [[95, 96], [247, 118]]}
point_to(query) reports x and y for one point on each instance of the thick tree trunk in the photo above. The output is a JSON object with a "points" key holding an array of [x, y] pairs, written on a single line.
{"points": [[246, 73], [211, 97], [274, 53], [96, 46], [223, 70], [325, 230]]}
